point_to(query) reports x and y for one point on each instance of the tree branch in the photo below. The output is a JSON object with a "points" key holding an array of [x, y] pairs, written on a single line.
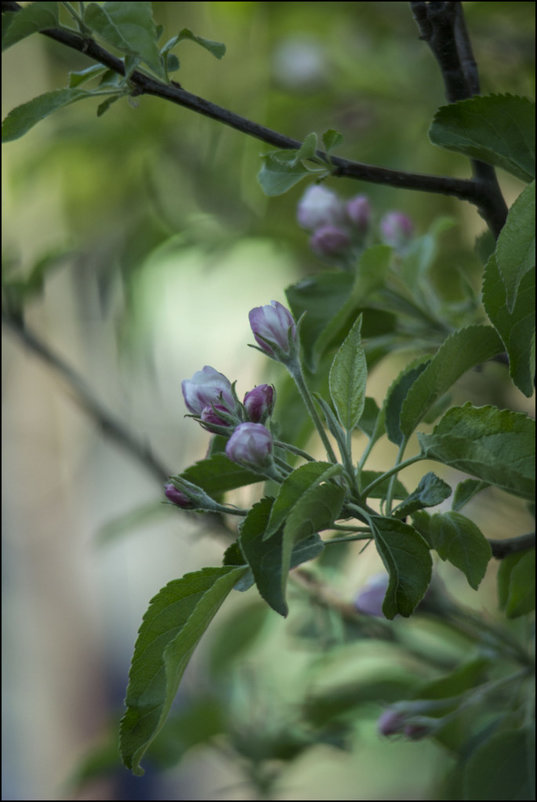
{"points": [[476, 192], [513, 545], [110, 426], [443, 28]]}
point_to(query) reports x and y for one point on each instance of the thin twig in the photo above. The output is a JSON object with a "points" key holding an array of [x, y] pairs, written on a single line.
{"points": [[111, 426], [513, 545], [474, 191]]}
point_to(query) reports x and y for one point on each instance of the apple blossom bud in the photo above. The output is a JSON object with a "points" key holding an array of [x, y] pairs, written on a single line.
{"points": [[396, 229], [250, 444], [176, 497], [207, 387], [371, 598], [330, 241], [210, 415], [319, 207], [274, 329], [359, 212], [391, 722], [415, 732], [259, 403]]}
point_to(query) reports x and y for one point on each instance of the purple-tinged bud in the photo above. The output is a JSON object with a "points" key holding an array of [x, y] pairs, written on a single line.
{"points": [[396, 229], [359, 212], [209, 415], [371, 598], [259, 403], [391, 722], [415, 732], [176, 497], [207, 387], [274, 329], [319, 207], [330, 241], [250, 444]]}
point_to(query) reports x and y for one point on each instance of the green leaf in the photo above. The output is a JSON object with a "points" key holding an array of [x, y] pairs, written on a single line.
{"points": [[216, 48], [458, 540], [280, 171], [459, 352], [497, 446], [348, 377], [17, 25], [235, 635], [497, 129], [171, 628], [406, 557], [380, 490], [515, 251], [420, 255], [397, 392], [81, 76], [372, 421], [517, 329], [24, 117], [217, 474], [461, 679], [321, 297], [294, 487], [268, 560], [129, 27], [501, 767], [430, 491], [465, 491], [331, 139], [516, 583], [370, 276], [308, 148]]}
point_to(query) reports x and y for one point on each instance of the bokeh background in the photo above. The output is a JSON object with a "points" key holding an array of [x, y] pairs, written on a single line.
{"points": [[164, 241]]}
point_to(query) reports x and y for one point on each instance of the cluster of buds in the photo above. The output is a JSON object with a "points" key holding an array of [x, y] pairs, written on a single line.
{"points": [[211, 399], [339, 229]]}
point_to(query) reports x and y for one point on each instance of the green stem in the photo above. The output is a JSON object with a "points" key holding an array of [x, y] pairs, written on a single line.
{"points": [[391, 486], [294, 450], [393, 470], [83, 28], [347, 539], [295, 370]]}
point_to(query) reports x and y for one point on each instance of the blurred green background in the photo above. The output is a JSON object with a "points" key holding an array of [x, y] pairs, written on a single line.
{"points": [[167, 242]]}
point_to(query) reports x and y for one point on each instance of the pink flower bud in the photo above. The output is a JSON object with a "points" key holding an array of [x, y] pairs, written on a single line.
{"points": [[319, 207], [250, 444], [359, 212], [396, 229], [274, 328], [259, 403], [415, 732], [371, 597], [391, 722], [176, 497], [330, 241], [209, 415], [207, 387]]}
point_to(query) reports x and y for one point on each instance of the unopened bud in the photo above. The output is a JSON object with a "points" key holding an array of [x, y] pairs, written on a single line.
{"points": [[207, 387], [250, 444], [371, 598], [359, 212], [396, 229], [330, 241], [274, 329], [259, 403], [319, 207], [176, 497]]}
